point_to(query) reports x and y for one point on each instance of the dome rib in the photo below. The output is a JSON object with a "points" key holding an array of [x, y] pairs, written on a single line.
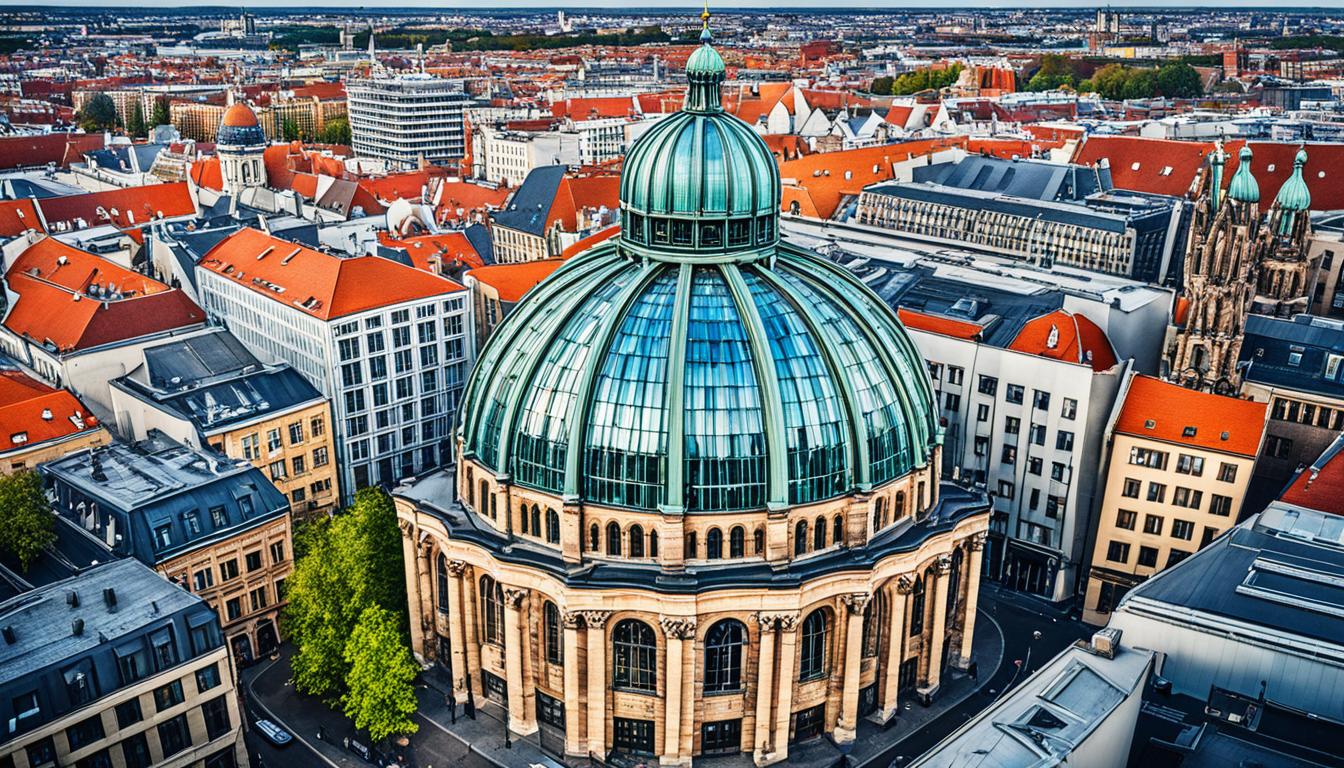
{"points": [[767, 379], [676, 394], [578, 428]]}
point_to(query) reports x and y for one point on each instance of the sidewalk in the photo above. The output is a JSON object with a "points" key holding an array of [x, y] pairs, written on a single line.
{"points": [[480, 742]]}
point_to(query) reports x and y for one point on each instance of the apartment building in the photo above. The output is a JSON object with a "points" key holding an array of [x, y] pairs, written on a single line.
{"points": [[508, 156], [115, 666], [387, 344], [1177, 470], [39, 423], [407, 118], [212, 525], [551, 211], [209, 391]]}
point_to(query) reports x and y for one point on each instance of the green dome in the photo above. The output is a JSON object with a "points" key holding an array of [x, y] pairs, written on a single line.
{"points": [[1244, 187], [1294, 195], [719, 387], [700, 185]]}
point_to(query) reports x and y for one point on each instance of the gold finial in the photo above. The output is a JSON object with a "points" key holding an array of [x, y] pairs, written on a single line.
{"points": [[705, 36]]}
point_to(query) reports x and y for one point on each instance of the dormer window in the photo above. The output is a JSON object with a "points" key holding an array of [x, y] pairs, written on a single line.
{"points": [[1188, 432], [19, 438]]}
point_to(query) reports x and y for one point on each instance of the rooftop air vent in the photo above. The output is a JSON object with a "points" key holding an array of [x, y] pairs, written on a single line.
{"points": [[77, 627], [72, 599], [1188, 432], [110, 597], [8, 632]]}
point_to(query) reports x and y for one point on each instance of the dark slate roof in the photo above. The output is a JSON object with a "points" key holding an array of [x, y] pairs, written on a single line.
{"points": [[304, 234], [919, 288], [1270, 341], [435, 494], [479, 237], [530, 206], [24, 188], [215, 382], [1028, 179], [1266, 571]]}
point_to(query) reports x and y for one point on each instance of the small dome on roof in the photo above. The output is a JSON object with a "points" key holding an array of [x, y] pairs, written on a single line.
{"points": [[239, 115], [239, 127], [1294, 195], [1244, 187]]}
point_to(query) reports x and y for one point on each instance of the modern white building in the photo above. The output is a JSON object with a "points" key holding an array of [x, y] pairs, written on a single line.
{"points": [[390, 345], [406, 118], [506, 157]]}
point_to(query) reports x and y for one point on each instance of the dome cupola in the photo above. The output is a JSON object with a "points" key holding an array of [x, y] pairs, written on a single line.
{"points": [[1294, 195], [1244, 188], [701, 185], [239, 128]]}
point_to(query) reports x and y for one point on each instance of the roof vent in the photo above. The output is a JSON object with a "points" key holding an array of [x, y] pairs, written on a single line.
{"points": [[1150, 424], [1188, 432], [8, 632], [1224, 436], [1106, 642], [46, 414], [77, 627], [72, 599], [110, 597]]}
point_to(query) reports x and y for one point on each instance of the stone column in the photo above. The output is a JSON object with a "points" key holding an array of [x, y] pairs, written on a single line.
{"points": [[519, 722], [411, 563], [784, 680], [573, 746], [977, 546], [847, 726], [456, 628], [677, 629], [425, 571], [597, 681], [765, 687], [900, 592], [470, 628], [939, 629]]}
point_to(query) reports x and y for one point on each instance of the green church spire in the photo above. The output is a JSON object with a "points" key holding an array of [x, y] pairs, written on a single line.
{"points": [[1244, 188]]}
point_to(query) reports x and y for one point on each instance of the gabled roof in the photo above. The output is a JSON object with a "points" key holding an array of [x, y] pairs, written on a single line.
{"points": [[1159, 166], [1158, 410], [595, 107], [32, 413], [132, 206], [1067, 336], [58, 148], [944, 326], [17, 217], [513, 281], [450, 247], [1320, 486], [320, 284]]}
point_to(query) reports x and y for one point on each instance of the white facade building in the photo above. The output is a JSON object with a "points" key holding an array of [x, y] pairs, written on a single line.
{"points": [[506, 157], [405, 118]]}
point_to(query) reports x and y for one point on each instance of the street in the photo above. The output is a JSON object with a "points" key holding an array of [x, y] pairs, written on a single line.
{"points": [[1019, 618]]}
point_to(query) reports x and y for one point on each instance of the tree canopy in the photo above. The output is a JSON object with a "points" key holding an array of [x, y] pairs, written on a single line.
{"points": [[335, 131], [135, 123], [380, 687], [26, 520], [917, 80], [1056, 71], [99, 113], [1176, 80]]}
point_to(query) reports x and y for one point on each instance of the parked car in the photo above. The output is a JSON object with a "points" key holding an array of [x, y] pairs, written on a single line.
{"points": [[273, 733]]}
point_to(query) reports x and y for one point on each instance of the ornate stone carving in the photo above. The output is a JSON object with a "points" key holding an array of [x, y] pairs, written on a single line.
{"points": [[905, 584], [595, 619], [678, 627], [457, 567], [769, 621], [856, 601], [513, 596], [786, 621], [977, 542], [943, 565], [572, 619], [406, 527]]}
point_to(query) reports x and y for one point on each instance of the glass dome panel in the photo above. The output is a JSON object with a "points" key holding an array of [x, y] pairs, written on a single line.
{"points": [[725, 436], [813, 414], [542, 436], [626, 445]]}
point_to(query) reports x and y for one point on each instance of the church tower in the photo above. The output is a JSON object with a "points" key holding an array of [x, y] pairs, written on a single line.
{"points": [[240, 145], [1283, 286]]}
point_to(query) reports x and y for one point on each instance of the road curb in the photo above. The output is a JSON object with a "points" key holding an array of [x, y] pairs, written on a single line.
{"points": [[470, 746], [270, 715]]}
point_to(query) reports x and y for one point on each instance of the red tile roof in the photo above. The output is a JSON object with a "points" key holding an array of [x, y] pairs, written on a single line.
{"points": [[1188, 417], [1321, 486], [132, 206], [59, 148], [1142, 165], [1324, 172], [592, 108], [513, 281], [583, 192], [323, 91], [17, 217], [323, 285], [591, 240], [1066, 336], [206, 173], [451, 248], [822, 175], [38, 412], [54, 282], [945, 326]]}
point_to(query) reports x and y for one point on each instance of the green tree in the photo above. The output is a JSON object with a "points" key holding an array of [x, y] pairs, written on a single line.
{"points": [[26, 519], [289, 130], [99, 114], [335, 131], [380, 687], [161, 114], [135, 123], [372, 542], [881, 85], [1140, 84], [1056, 70], [1179, 80], [925, 79]]}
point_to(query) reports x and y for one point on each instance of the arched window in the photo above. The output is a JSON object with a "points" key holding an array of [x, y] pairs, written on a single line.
{"points": [[898, 509], [613, 538], [485, 494], [494, 506], [800, 537], [714, 544], [443, 583], [522, 519], [552, 526], [837, 530], [759, 541], [471, 488], [492, 610], [653, 543], [917, 608], [819, 534], [812, 654], [723, 656], [872, 614], [737, 542], [536, 521], [877, 516], [690, 550], [636, 541], [593, 536], [634, 657], [555, 650], [953, 579]]}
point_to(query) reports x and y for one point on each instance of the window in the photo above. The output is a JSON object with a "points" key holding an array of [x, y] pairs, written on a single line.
{"points": [[1040, 399], [721, 737], [613, 539], [162, 648], [1227, 473], [1059, 472], [800, 537], [132, 664], [233, 609], [174, 735], [128, 713], [80, 684], [1009, 454], [278, 471], [1117, 552], [1013, 393], [278, 552], [251, 447], [1037, 434], [636, 537], [837, 530], [723, 656], [634, 736], [192, 520], [163, 537], [1011, 425], [819, 534], [258, 598], [955, 374], [216, 715], [553, 528], [1220, 505], [982, 415], [202, 579], [1146, 457], [492, 610], [273, 443], [550, 710], [812, 653], [320, 457], [1069, 409], [988, 385], [317, 426], [217, 517], [1125, 519], [714, 544], [1189, 465], [634, 657], [737, 542], [1034, 465], [1153, 524], [1278, 447], [1064, 441], [555, 649], [1183, 529], [1054, 507], [1157, 492], [952, 402], [1006, 489], [1131, 488], [1148, 557], [42, 752], [298, 463], [207, 678], [85, 732], [1188, 498], [168, 696]]}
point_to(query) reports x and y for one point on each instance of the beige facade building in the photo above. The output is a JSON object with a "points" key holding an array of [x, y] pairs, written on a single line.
{"points": [[39, 423], [296, 451], [1179, 465]]}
